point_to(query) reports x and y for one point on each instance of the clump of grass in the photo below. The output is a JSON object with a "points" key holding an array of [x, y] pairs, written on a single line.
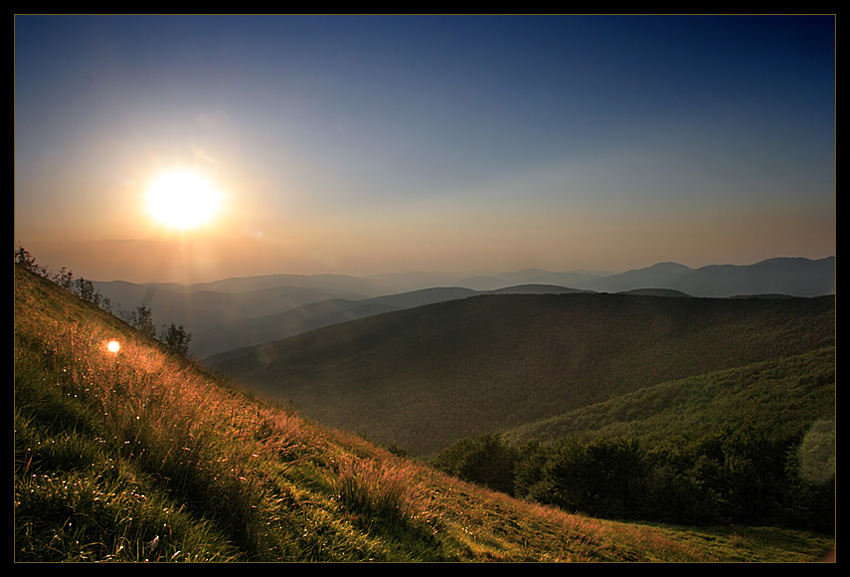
{"points": [[374, 489], [385, 496]]}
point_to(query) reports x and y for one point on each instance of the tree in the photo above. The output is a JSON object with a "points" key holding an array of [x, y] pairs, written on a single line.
{"points": [[24, 258], [143, 321], [606, 478], [176, 339], [85, 289], [64, 278]]}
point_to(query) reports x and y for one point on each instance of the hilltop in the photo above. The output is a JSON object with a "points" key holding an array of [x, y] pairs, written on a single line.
{"points": [[428, 376], [144, 456]]}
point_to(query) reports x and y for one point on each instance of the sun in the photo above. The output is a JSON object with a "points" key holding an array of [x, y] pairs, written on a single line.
{"points": [[183, 200]]}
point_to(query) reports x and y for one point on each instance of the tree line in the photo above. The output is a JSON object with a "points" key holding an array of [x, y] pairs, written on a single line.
{"points": [[734, 476], [174, 337]]}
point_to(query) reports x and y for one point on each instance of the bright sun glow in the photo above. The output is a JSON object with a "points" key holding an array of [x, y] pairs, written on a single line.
{"points": [[182, 200], [113, 346]]}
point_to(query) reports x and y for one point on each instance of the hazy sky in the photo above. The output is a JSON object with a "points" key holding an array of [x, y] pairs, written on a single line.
{"points": [[472, 144]]}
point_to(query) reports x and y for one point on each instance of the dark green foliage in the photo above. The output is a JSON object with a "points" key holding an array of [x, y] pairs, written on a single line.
{"points": [[747, 445], [735, 476], [486, 460], [605, 479], [800, 388]]}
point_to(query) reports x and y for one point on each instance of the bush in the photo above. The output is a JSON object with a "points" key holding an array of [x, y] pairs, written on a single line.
{"points": [[487, 460]]}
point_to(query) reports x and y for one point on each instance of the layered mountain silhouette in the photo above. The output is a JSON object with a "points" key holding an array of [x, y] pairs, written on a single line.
{"points": [[787, 276], [238, 312]]}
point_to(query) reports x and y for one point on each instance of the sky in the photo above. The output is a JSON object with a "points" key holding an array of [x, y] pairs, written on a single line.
{"points": [[373, 144]]}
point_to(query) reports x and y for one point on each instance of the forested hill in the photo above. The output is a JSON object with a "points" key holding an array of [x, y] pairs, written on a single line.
{"points": [[426, 377]]}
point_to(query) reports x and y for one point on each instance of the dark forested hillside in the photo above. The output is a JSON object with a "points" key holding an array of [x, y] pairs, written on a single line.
{"points": [[426, 377]]}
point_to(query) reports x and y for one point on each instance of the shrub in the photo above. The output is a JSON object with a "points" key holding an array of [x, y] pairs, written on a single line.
{"points": [[486, 460]]}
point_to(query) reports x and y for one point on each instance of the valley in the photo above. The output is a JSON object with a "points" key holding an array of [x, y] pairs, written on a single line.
{"points": [[548, 385]]}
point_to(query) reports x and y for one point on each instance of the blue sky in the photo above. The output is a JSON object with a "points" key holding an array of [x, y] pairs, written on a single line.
{"points": [[464, 144]]}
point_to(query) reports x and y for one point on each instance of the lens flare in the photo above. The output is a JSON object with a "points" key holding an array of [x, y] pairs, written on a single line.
{"points": [[113, 346]]}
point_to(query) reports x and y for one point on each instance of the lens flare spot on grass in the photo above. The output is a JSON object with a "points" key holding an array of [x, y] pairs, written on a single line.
{"points": [[113, 346]]}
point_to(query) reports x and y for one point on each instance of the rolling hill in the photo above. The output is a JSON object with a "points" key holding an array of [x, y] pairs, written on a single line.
{"points": [[427, 376], [799, 277], [259, 330], [780, 397], [140, 455], [789, 276]]}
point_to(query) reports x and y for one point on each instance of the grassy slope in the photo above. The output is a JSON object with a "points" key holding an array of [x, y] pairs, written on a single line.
{"points": [[780, 397], [143, 456], [428, 376]]}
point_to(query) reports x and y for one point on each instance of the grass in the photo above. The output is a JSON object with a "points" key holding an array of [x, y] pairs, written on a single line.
{"points": [[144, 456]]}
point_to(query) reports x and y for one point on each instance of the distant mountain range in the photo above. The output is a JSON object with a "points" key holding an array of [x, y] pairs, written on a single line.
{"points": [[237, 312], [787, 276]]}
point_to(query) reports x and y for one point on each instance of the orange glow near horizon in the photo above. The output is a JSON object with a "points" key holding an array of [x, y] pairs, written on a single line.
{"points": [[183, 200]]}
